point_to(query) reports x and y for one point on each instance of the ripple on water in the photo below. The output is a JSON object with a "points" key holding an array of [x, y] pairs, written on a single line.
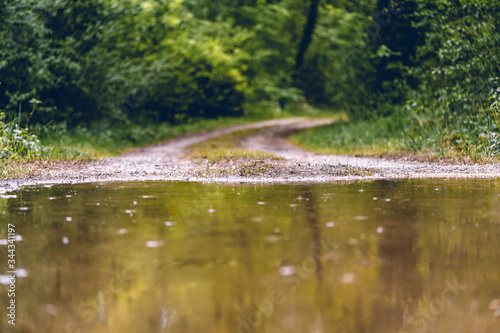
{"points": [[250, 249], [122, 231], [287, 270], [348, 278], [155, 243]]}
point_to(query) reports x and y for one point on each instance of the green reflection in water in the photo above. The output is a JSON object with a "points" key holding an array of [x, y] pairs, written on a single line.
{"points": [[398, 256]]}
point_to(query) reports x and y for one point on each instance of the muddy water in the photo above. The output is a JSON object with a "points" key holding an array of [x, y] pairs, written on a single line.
{"points": [[398, 256]]}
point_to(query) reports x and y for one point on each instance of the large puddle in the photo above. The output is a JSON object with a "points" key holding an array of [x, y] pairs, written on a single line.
{"points": [[384, 256]]}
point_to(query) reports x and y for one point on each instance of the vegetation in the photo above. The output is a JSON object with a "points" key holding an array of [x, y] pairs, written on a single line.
{"points": [[226, 148], [414, 75], [436, 69], [82, 143]]}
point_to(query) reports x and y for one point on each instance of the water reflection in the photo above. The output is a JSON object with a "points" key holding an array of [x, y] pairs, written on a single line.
{"points": [[398, 251], [405, 256]]}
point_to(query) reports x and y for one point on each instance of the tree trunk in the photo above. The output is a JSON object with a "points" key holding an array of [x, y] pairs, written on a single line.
{"points": [[306, 38]]}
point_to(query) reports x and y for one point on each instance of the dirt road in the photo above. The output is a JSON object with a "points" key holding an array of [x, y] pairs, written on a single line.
{"points": [[164, 161]]}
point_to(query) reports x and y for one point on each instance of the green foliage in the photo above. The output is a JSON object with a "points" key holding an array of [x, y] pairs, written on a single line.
{"points": [[432, 71], [472, 138], [356, 137], [334, 66], [16, 141], [171, 60], [94, 59], [495, 107], [459, 65], [457, 71]]}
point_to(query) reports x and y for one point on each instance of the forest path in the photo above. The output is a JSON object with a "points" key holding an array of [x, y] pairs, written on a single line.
{"points": [[164, 161]]}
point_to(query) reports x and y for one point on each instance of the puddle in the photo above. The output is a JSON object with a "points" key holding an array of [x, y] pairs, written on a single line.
{"points": [[188, 257]]}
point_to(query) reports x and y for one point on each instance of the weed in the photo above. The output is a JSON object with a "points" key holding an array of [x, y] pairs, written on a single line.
{"points": [[224, 148], [346, 170], [225, 155], [255, 168], [17, 146]]}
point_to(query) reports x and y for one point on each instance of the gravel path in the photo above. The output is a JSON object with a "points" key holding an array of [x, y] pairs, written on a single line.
{"points": [[164, 161]]}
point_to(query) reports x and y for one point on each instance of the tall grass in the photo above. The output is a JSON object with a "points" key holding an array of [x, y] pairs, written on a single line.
{"points": [[473, 138], [17, 144]]}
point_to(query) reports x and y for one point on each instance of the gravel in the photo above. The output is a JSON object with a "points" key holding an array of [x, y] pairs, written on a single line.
{"points": [[164, 162]]}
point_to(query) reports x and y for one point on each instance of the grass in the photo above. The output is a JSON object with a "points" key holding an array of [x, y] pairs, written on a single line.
{"points": [[218, 155], [16, 168], [467, 140], [226, 148], [225, 141], [354, 138], [255, 168], [108, 140], [252, 168], [346, 170]]}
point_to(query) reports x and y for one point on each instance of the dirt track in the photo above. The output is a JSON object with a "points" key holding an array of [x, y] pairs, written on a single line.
{"points": [[164, 162]]}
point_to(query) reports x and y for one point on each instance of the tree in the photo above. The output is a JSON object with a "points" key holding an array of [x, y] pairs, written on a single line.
{"points": [[306, 39]]}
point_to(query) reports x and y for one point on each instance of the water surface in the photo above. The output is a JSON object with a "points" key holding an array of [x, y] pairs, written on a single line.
{"points": [[383, 256]]}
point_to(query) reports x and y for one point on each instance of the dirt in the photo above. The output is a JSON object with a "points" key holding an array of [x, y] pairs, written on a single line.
{"points": [[164, 161]]}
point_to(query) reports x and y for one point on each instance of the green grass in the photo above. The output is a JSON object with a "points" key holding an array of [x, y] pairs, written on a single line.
{"points": [[467, 138], [355, 138], [224, 154], [227, 141], [226, 147], [16, 168], [255, 168]]}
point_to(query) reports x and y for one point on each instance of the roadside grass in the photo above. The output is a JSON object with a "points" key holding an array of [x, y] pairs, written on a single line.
{"points": [[222, 154], [16, 168], [255, 168], [225, 141], [108, 139], [353, 138], [347, 170], [467, 140], [226, 148], [247, 169]]}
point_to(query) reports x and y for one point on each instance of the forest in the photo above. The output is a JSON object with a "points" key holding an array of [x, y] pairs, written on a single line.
{"points": [[411, 76]]}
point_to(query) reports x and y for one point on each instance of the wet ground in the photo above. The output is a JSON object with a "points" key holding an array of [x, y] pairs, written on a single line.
{"points": [[164, 161], [377, 256]]}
